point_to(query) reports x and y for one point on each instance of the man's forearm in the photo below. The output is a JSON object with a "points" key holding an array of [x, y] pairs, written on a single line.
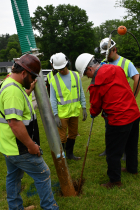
{"points": [[136, 79], [20, 132]]}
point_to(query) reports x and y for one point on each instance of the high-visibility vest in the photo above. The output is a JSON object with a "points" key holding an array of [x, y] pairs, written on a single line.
{"points": [[9, 144], [68, 102], [49, 77], [124, 63], [30, 96]]}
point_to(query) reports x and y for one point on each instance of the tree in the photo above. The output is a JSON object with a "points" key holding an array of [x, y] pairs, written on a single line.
{"points": [[11, 48], [4, 41], [12, 54], [63, 29], [132, 8], [13, 38], [14, 45], [126, 44], [3, 55]]}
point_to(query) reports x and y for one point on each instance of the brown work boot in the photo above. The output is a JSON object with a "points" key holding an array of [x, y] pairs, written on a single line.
{"points": [[125, 170], [110, 185], [29, 207]]}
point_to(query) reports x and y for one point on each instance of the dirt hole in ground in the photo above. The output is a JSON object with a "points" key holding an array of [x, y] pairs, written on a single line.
{"points": [[76, 185]]}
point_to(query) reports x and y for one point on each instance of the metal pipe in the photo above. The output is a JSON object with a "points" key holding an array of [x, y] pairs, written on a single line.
{"points": [[53, 138]]}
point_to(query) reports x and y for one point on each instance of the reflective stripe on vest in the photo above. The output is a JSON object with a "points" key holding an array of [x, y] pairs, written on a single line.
{"points": [[124, 63], [17, 111], [62, 102], [49, 76], [13, 111]]}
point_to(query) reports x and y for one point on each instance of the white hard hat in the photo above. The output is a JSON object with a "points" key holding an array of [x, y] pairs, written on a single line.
{"points": [[82, 61], [59, 61], [104, 43]]}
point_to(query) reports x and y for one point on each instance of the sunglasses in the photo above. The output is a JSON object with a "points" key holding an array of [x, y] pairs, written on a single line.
{"points": [[32, 75]]}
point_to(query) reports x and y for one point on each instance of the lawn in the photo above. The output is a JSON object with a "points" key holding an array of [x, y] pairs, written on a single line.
{"points": [[93, 196]]}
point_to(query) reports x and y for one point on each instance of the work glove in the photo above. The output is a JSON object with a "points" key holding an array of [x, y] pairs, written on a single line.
{"points": [[84, 114], [102, 63], [92, 116], [58, 121]]}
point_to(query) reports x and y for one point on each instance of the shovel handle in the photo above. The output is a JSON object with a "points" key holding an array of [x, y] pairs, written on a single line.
{"points": [[85, 156]]}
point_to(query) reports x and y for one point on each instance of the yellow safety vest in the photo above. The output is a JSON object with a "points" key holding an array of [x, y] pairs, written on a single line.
{"points": [[68, 102], [124, 63], [22, 111], [49, 77]]}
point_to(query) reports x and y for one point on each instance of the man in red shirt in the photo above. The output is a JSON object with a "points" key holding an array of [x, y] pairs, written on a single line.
{"points": [[111, 94]]}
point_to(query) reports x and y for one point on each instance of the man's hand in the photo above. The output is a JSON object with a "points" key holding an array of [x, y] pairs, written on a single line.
{"points": [[84, 114], [34, 150], [58, 121], [21, 133], [32, 86]]}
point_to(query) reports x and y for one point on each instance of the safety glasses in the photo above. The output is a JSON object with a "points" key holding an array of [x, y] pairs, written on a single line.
{"points": [[104, 46], [85, 72], [61, 69]]}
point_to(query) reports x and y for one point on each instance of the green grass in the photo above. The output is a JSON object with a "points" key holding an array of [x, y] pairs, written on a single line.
{"points": [[2, 77], [93, 196]]}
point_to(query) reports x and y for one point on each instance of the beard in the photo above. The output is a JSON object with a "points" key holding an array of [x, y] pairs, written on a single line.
{"points": [[26, 82], [110, 59]]}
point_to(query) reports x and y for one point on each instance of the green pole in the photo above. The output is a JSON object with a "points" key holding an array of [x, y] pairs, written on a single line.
{"points": [[23, 25]]}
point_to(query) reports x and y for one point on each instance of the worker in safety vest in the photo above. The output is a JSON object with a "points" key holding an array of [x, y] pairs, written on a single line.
{"points": [[67, 97], [127, 66], [19, 135], [29, 92], [50, 75], [110, 91]]}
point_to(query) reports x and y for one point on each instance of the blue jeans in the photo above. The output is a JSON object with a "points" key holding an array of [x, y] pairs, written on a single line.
{"points": [[36, 168]]}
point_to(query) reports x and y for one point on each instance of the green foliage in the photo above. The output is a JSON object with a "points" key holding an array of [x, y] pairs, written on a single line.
{"points": [[64, 28], [3, 55], [12, 54], [4, 41], [132, 7], [11, 49], [13, 38], [3, 74], [45, 65]]}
